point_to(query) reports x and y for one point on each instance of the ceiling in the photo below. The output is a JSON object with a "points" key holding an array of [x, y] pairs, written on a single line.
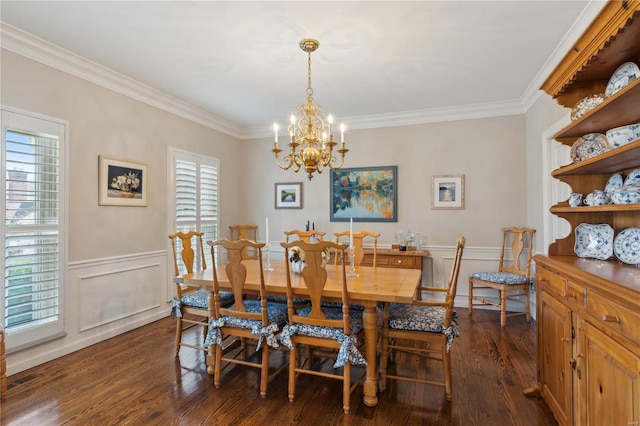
{"points": [[379, 63]]}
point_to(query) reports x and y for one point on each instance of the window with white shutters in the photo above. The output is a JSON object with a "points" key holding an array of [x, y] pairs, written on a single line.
{"points": [[196, 195], [33, 198]]}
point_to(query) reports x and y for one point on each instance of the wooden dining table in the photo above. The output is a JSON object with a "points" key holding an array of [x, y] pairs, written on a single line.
{"points": [[372, 286]]}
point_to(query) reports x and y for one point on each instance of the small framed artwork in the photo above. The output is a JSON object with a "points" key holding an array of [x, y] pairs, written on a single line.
{"points": [[364, 194], [288, 195], [122, 183], [448, 192]]}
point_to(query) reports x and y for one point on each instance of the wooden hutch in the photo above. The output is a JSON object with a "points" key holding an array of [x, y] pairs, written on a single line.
{"points": [[588, 310]]}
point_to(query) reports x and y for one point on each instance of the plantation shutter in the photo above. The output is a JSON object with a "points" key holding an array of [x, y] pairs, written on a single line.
{"points": [[196, 196], [33, 261]]}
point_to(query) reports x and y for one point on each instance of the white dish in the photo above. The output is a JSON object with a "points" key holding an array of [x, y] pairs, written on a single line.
{"points": [[623, 135], [589, 145], [624, 75], [632, 178], [614, 182], [629, 194], [594, 241], [627, 246]]}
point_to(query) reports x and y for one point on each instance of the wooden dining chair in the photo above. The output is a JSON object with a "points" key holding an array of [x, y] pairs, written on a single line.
{"points": [[304, 235], [191, 304], [331, 329], [358, 244], [246, 319], [245, 232], [429, 323], [510, 276]]}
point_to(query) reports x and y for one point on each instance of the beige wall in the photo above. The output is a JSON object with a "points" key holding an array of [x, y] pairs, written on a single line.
{"points": [[489, 152]]}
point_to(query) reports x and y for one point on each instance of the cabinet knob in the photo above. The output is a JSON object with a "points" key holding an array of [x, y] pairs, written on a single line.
{"points": [[610, 318], [399, 262], [571, 296]]}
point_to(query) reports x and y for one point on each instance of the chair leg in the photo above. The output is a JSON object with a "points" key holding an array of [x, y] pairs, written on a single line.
{"points": [[470, 295], [346, 387], [264, 370], [384, 360], [178, 334], [293, 362], [503, 307], [527, 305], [446, 361], [218, 369]]}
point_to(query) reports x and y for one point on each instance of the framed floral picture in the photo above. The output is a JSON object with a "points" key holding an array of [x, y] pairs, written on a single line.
{"points": [[288, 195], [447, 192], [122, 183]]}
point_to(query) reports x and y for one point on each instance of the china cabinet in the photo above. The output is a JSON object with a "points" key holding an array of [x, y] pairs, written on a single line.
{"points": [[588, 310]]}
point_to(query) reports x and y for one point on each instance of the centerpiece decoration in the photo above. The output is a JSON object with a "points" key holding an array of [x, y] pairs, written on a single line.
{"points": [[297, 259]]}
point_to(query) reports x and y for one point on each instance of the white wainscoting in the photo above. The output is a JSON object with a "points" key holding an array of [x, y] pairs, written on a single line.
{"points": [[104, 298]]}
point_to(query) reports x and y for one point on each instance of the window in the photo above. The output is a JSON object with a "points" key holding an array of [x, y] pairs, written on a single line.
{"points": [[196, 196], [33, 203]]}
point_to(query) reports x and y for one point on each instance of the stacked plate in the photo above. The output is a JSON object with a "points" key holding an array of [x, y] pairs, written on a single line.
{"points": [[625, 74]]}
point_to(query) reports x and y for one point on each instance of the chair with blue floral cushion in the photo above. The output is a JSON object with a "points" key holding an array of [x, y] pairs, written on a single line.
{"points": [[245, 232], [510, 276], [246, 319], [191, 305], [429, 322], [335, 331]]}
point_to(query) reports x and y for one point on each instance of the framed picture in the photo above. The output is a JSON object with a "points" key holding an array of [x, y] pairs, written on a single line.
{"points": [[448, 192], [289, 195], [122, 183], [366, 194]]}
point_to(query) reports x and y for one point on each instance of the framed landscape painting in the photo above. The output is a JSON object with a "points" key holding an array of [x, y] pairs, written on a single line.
{"points": [[448, 192], [288, 195], [366, 194], [122, 183]]}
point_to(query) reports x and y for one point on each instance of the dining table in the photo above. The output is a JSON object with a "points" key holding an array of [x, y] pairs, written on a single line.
{"points": [[369, 287]]}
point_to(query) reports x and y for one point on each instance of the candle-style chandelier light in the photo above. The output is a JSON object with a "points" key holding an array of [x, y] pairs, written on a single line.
{"points": [[311, 144]]}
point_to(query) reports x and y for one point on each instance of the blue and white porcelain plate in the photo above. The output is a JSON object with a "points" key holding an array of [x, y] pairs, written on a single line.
{"points": [[627, 246], [628, 194], [632, 178], [614, 182], [594, 241], [624, 75]]}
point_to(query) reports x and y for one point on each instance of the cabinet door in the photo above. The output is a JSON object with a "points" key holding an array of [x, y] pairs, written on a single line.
{"points": [[610, 379], [555, 374]]}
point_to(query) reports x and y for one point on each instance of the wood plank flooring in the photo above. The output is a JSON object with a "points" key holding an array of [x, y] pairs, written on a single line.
{"points": [[134, 379]]}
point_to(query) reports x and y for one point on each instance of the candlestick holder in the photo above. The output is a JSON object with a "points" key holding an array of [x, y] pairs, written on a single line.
{"points": [[268, 266], [352, 267]]}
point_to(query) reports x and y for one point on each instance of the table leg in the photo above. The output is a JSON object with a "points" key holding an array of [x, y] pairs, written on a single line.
{"points": [[370, 388]]}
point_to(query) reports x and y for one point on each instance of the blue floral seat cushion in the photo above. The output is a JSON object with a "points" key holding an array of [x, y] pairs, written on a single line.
{"points": [[501, 277], [348, 349], [338, 305], [198, 299], [422, 318], [283, 299], [276, 314]]}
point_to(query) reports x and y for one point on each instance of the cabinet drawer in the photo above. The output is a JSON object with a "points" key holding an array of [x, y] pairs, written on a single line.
{"points": [[396, 261], [551, 281], [614, 316]]}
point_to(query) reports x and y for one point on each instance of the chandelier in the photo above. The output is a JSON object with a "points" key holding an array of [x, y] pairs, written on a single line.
{"points": [[311, 144]]}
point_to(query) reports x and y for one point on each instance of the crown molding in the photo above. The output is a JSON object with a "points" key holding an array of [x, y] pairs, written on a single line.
{"points": [[37, 49]]}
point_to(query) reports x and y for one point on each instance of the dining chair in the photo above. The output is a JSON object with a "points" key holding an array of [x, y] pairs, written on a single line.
{"points": [[358, 244], [510, 276], [245, 232], [332, 330], [304, 235], [424, 328], [246, 319], [191, 305]]}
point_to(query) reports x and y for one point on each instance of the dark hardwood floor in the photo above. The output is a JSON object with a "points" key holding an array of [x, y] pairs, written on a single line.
{"points": [[134, 379]]}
